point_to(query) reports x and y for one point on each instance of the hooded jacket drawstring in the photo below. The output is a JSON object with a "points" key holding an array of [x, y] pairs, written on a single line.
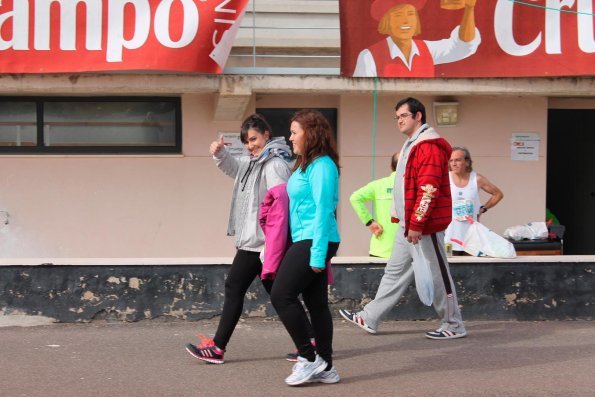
{"points": [[244, 179]]}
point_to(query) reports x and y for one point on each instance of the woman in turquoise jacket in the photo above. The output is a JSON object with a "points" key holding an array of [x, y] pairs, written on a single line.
{"points": [[313, 191]]}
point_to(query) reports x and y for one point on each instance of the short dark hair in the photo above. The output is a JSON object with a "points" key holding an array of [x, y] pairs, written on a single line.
{"points": [[255, 122], [415, 106], [394, 160]]}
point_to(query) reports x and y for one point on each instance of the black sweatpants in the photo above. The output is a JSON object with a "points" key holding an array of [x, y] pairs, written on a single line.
{"points": [[295, 277], [246, 266]]}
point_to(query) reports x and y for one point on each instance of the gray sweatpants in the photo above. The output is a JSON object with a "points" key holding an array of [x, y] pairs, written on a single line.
{"points": [[398, 274]]}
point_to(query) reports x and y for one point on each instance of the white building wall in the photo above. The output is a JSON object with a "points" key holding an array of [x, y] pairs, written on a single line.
{"points": [[120, 206], [177, 205], [485, 126]]}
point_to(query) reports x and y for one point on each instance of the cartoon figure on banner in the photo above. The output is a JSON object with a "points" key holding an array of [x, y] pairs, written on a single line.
{"points": [[399, 55]]}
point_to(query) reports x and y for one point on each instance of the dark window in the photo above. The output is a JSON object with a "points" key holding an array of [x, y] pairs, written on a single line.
{"points": [[279, 118], [90, 125]]}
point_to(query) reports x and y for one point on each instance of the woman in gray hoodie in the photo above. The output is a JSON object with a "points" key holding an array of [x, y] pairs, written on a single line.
{"points": [[266, 166]]}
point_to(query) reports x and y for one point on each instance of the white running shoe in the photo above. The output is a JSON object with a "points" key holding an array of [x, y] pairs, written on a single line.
{"points": [[304, 370], [330, 376]]}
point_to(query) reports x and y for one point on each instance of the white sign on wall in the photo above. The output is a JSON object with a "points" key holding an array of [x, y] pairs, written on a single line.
{"points": [[524, 146], [233, 143]]}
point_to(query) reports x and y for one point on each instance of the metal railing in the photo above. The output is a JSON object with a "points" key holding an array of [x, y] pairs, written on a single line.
{"points": [[268, 48]]}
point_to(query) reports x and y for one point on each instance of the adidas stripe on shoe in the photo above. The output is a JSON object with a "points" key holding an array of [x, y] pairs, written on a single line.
{"points": [[443, 334], [206, 351], [356, 319]]}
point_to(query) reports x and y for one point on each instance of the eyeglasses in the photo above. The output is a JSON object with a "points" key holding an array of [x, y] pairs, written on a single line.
{"points": [[402, 116]]}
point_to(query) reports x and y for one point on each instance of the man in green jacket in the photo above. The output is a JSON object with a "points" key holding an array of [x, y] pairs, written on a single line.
{"points": [[380, 193]]}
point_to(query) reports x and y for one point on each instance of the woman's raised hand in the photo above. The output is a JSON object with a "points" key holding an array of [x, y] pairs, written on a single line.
{"points": [[216, 146]]}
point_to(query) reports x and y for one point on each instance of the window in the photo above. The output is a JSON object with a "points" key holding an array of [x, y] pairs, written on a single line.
{"points": [[18, 124], [90, 125], [278, 119]]}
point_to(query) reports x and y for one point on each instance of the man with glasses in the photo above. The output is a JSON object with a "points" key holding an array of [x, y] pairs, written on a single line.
{"points": [[423, 208]]}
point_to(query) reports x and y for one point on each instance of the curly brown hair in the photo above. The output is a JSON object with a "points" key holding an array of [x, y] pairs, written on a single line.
{"points": [[319, 139]]}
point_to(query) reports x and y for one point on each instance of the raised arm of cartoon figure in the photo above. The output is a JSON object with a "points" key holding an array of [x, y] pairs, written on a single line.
{"points": [[467, 30]]}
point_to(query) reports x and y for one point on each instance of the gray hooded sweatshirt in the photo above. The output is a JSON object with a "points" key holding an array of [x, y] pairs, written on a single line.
{"points": [[253, 177]]}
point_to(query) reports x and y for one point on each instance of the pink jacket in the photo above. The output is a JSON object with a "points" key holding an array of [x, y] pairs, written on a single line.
{"points": [[274, 221]]}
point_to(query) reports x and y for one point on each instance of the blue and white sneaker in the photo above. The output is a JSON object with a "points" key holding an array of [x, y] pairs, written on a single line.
{"points": [[304, 370], [356, 319], [330, 376], [443, 334]]}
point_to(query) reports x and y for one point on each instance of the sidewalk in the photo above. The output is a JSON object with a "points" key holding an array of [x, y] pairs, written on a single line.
{"points": [[147, 359]]}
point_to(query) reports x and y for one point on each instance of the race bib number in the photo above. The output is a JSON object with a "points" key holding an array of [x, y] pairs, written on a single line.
{"points": [[462, 209]]}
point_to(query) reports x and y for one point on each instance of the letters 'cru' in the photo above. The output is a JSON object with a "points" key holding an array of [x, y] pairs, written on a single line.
{"points": [[503, 17]]}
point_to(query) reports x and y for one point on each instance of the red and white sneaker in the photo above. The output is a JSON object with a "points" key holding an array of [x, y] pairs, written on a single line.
{"points": [[442, 334], [206, 351], [356, 319]]}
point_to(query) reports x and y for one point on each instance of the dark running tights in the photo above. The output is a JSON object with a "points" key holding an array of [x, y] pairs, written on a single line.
{"points": [[246, 266], [295, 277]]}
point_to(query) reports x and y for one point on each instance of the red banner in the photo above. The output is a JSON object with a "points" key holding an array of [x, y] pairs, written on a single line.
{"points": [[47, 36], [467, 38]]}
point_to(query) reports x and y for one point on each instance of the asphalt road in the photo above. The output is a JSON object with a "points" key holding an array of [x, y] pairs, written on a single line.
{"points": [[148, 359]]}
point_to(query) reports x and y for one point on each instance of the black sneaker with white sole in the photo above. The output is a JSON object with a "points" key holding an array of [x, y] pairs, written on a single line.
{"points": [[207, 352]]}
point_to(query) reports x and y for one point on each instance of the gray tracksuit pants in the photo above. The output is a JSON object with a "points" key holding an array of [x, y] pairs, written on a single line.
{"points": [[398, 274]]}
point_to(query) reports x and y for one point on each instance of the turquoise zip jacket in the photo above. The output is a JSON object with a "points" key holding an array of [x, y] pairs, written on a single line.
{"points": [[313, 197]]}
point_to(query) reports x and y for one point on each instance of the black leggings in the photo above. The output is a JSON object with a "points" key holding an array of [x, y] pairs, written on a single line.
{"points": [[295, 277], [246, 266]]}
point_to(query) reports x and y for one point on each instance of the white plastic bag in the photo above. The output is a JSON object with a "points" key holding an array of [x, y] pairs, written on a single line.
{"points": [[531, 231], [538, 230], [423, 276], [516, 233], [481, 241]]}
